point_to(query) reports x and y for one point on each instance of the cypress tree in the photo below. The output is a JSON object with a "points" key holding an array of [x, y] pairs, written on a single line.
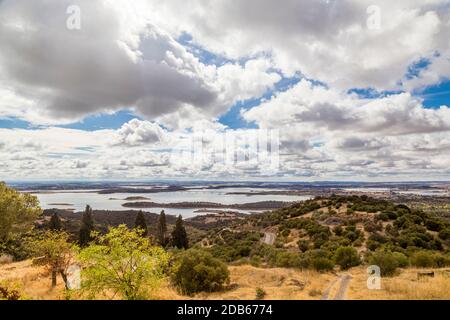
{"points": [[179, 235], [55, 223], [87, 226], [141, 223], [162, 229]]}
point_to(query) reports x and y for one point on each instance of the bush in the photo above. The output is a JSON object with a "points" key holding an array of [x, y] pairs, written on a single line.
{"points": [[303, 245], [197, 271], [322, 264], [423, 259], [346, 257], [9, 293], [402, 260], [445, 234], [285, 259], [441, 260], [260, 294], [338, 231], [386, 261]]}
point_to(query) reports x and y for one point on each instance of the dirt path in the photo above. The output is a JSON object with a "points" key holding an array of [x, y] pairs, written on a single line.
{"points": [[269, 238], [342, 291], [338, 287]]}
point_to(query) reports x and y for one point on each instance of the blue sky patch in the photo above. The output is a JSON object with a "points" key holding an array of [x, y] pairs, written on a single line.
{"points": [[103, 121], [436, 96]]}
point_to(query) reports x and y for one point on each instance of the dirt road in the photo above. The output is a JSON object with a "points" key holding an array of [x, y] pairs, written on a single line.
{"points": [[338, 287]]}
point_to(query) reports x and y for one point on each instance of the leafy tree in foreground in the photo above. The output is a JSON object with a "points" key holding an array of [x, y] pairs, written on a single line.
{"points": [[54, 251], [18, 211], [87, 227], [197, 271], [141, 223], [123, 262], [179, 235], [162, 229], [55, 223]]}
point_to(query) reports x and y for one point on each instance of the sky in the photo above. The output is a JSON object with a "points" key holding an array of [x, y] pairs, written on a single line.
{"points": [[336, 89]]}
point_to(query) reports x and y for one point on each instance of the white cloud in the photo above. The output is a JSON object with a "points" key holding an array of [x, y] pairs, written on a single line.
{"points": [[126, 56], [118, 59]]}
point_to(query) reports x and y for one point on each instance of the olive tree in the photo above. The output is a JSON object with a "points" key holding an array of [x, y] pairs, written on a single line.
{"points": [[123, 262], [18, 212], [54, 251]]}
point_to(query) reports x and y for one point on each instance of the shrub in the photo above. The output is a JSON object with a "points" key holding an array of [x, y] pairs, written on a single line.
{"points": [[433, 225], [444, 234], [197, 271], [346, 257], [314, 293], [303, 245], [338, 231], [422, 259], [9, 293], [386, 261], [441, 260], [260, 294], [286, 259], [285, 233], [322, 264], [402, 260], [382, 216]]}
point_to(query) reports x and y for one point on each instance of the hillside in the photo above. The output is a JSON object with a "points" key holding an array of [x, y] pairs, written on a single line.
{"points": [[309, 233], [316, 249]]}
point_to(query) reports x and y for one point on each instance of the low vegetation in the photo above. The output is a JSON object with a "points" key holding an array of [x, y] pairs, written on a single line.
{"points": [[198, 271]]}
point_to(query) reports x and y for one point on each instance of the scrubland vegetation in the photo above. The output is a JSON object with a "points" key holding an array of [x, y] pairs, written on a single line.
{"points": [[314, 240]]}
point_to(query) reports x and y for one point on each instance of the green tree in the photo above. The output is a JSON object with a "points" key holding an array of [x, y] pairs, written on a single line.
{"points": [[18, 212], [141, 223], [162, 229], [54, 251], [123, 262], [346, 257], [87, 227], [179, 235], [55, 223], [197, 271]]}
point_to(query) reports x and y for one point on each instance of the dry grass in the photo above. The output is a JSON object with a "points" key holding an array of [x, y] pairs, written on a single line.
{"points": [[34, 282], [404, 286], [279, 284]]}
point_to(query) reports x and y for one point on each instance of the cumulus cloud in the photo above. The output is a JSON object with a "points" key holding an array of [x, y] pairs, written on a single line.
{"points": [[118, 59], [138, 132], [318, 108], [325, 40], [129, 55]]}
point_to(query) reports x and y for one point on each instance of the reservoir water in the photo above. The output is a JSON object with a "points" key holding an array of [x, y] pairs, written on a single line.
{"points": [[77, 200]]}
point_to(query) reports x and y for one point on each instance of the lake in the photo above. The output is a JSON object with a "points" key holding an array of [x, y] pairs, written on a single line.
{"points": [[78, 199]]}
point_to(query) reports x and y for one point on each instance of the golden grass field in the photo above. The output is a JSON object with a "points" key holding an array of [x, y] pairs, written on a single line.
{"points": [[279, 284]]}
